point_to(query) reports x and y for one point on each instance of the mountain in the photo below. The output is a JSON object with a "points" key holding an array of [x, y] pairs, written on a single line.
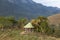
{"points": [[25, 8], [54, 19]]}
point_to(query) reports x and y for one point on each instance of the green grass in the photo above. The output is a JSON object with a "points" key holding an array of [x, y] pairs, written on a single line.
{"points": [[15, 35]]}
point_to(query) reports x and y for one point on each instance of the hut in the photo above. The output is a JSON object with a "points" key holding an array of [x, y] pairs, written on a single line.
{"points": [[29, 27]]}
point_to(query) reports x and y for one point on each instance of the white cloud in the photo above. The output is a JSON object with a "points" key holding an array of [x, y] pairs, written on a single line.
{"points": [[54, 3]]}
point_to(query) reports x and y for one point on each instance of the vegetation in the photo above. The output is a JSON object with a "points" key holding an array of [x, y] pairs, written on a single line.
{"points": [[15, 35], [14, 27], [21, 22]]}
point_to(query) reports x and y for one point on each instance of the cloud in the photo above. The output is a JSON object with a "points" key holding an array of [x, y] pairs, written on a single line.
{"points": [[54, 3]]}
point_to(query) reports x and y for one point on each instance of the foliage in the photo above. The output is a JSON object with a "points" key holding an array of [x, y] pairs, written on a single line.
{"points": [[7, 22], [22, 22], [40, 24]]}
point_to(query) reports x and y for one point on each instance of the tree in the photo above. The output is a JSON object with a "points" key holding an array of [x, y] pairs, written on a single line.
{"points": [[41, 24], [44, 26], [2, 22], [22, 22], [11, 22], [35, 24], [1, 27], [7, 22]]}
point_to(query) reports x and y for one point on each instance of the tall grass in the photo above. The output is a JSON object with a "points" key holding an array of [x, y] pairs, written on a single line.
{"points": [[15, 35]]}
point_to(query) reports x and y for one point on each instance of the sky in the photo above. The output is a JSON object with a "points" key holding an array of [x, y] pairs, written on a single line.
{"points": [[53, 3]]}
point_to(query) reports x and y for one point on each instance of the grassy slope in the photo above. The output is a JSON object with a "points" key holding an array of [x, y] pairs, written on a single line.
{"points": [[15, 35], [54, 19]]}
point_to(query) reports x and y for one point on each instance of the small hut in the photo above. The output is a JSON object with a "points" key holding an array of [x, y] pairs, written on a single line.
{"points": [[29, 27]]}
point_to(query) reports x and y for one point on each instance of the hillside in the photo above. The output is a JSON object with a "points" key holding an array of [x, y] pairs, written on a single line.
{"points": [[54, 19], [25, 8]]}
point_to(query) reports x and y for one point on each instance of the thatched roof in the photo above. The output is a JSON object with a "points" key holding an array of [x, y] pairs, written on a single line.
{"points": [[29, 25]]}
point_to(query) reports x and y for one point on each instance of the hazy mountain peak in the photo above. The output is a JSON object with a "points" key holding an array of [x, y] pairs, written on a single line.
{"points": [[12, 1], [25, 8], [22, 1], [26, 1]]}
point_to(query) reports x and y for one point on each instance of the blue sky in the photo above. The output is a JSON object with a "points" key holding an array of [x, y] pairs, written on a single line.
{"points": [[53, 3]]}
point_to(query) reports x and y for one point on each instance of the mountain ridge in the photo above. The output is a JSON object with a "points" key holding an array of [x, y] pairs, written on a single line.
{"points": [[28, 10]]}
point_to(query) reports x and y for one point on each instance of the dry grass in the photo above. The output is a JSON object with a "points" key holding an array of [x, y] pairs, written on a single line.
{"points": [[54, 19], [15, 35]]}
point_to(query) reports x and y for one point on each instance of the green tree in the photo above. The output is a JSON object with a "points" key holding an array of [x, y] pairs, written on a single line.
{"points": [[10, 22], [2, 22], [1, 27], [44, 26], [7, 22], [41, 25], [35, 24], [22, 22]]}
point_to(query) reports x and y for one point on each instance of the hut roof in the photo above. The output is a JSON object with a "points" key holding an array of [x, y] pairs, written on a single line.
{"points": [[29, 25]]}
